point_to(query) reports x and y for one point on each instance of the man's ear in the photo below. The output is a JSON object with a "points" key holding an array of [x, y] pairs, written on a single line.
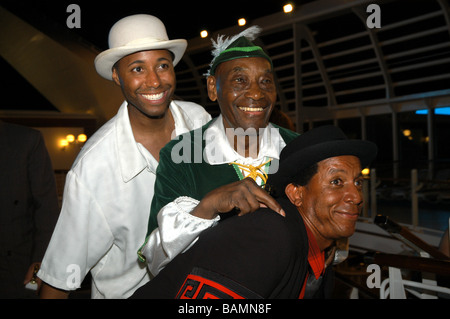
{"points": [[115, 76], [211, 86], [295, 194]]}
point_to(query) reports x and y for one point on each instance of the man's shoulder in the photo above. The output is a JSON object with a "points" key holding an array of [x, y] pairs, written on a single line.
{"points": [[192, 111], [15, 131], [188, 104], [256, 226], [190, 138], [262, 235], [99, 143], [286, 134], [289, 230]]}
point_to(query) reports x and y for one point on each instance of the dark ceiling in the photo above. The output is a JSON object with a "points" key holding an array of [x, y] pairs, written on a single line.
{"points": [[183, 19]]}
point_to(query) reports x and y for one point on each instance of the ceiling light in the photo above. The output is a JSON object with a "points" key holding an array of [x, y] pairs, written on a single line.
{"points": [[81, 138], [70, 138], [242, 22], [365, 172], [288, 8], [204, 34]]}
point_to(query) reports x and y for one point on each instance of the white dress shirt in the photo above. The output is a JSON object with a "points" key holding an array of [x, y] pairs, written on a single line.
{"points": [[106, 207]]}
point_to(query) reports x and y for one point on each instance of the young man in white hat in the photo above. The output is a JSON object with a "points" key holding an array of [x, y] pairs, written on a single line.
{"points": [[109, 188]]}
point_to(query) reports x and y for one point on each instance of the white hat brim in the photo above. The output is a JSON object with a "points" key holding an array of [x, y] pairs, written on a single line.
{"points": [[105, 61]]}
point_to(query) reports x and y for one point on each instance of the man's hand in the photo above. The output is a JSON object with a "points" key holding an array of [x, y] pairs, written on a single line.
{"points": [[31, 275], [245, 196]]}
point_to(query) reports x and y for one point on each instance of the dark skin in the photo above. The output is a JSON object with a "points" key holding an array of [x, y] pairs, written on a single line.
{"points": [[246, 93], [332, 201], [29, 276], [147, 80]]}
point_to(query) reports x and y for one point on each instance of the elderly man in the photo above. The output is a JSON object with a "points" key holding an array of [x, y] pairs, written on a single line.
{"points": [[110, 186], [221, 167], [263, 255]]}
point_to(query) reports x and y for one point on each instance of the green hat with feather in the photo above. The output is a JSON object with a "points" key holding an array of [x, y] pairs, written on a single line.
{"points": [[236, 47]]}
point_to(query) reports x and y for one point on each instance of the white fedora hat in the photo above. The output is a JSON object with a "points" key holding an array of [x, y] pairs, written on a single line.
{"points": [[136, 33]]}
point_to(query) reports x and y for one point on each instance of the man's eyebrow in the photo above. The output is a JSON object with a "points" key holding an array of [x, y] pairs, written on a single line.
{"points": [[332, 171], [142, 61], [238, 69], [335, 170], [163, 59], [136, 62]]}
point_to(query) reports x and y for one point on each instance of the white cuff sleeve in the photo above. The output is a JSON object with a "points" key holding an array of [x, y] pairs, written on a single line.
{"points": [[178, 230]]}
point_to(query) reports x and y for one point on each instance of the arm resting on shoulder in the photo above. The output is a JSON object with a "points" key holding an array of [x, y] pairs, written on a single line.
{"points": [[178, 230]]}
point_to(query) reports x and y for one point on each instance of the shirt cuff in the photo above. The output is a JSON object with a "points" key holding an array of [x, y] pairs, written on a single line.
{"points": [[178, 230]]}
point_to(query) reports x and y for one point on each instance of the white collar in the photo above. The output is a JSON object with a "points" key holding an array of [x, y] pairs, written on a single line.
{"points": [[184, 122], [132, 158], [219, 151]]}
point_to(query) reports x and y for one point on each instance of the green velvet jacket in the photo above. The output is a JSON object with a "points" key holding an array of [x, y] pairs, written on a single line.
{"points": [[192, 177]]}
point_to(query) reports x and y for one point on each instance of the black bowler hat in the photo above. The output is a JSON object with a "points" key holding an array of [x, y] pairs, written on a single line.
{"points": [[314, 146]]}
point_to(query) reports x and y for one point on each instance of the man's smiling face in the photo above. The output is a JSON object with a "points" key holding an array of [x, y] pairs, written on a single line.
{"points": [[147, 79], [245, 91], [332, 201]]}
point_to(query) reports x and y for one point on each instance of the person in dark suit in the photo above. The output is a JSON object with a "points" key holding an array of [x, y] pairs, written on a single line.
{"points": [[29, 208], [266, 255]]}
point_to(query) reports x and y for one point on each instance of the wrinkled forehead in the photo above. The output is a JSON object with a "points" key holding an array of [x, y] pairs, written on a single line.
{"points": [[251, 64], [342, 163]]}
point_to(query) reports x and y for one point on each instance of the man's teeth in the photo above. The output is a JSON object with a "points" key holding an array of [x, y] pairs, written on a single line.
{"points": [[153, 97], [251, 109]]}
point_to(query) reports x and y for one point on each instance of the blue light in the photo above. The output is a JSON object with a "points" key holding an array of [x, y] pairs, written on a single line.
{"points": [[437, 111]]}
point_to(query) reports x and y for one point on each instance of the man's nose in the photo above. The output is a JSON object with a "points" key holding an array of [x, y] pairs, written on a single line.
{"points": [[354, 195], [152, 80], [254, 91]]}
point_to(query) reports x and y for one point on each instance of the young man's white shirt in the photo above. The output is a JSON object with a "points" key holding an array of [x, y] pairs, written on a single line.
{"points": [[106, 206]]}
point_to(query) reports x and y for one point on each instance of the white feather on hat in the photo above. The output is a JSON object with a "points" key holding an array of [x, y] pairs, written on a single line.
{"points": [[222, 43]]}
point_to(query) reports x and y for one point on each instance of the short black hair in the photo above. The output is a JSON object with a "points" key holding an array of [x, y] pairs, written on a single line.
{"points": [[305, 175], [302, 178]]}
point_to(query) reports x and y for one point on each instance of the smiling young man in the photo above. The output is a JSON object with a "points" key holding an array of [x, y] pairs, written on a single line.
{"points": [[109, 188], [227, 160], [147, 80], [263, 255]]}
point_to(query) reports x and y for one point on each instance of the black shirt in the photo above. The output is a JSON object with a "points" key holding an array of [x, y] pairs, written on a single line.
{"points": [[258, 255]]}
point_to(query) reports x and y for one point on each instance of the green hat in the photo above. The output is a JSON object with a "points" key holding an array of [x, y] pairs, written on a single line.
{"points": [[239, 46]]}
